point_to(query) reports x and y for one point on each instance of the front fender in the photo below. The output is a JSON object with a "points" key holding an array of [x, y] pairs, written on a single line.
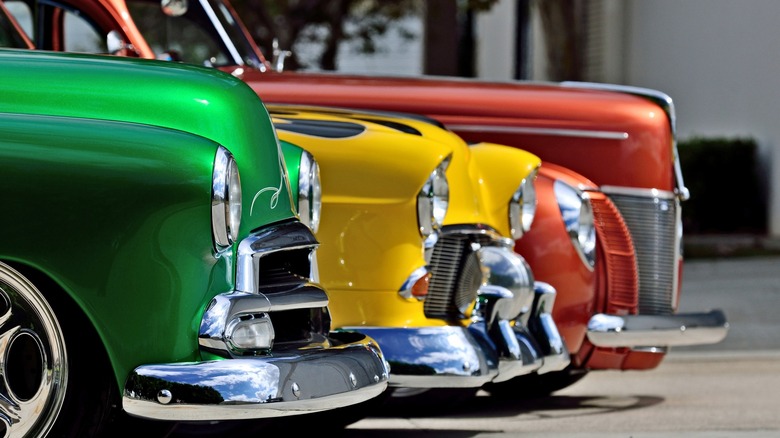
{"points": [[500, 170], [96, 206]]}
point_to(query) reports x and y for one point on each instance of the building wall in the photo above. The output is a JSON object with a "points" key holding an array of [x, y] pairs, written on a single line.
{"points": [[719, 60]]}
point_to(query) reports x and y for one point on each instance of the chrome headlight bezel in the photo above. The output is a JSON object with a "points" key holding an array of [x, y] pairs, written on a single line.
{"points": [[578, 219], [522, 206], [226, 204], [433, 200], [309, 191]]}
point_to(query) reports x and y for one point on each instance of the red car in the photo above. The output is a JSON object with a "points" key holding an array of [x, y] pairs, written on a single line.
{"points": [[608, 232]]}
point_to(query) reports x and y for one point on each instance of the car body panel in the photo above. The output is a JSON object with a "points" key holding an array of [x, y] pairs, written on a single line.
{"points": [[113, 196], [373, 165]]}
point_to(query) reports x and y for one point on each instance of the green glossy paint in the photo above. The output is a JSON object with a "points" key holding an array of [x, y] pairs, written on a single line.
{"points": [[107, 166], [199, 100]]}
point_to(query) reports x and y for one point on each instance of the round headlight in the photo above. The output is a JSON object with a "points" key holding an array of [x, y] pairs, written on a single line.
{"points": [[309, 191], [433, 200], [225, 199], [522, 207], [577, 214]]}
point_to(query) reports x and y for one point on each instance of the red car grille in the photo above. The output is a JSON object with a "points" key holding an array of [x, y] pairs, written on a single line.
{"points": [[620, 259]]}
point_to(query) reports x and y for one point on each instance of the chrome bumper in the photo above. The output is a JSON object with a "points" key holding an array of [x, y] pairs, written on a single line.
{"points": [[310, 370], [643, 331], [469, 357], [299, 382]]}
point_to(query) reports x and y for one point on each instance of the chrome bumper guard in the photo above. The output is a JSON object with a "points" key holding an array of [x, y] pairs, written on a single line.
{"points": [[483, 352], [657, 331], [302, 382]]}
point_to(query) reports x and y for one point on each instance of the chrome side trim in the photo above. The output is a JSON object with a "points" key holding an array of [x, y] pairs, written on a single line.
{"points": [[557, 132], [288, 383], [643, 331], [633, 191], [659, 98]]}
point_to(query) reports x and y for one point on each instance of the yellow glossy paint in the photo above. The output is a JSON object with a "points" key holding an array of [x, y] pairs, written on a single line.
{"points": [[369, 238]]}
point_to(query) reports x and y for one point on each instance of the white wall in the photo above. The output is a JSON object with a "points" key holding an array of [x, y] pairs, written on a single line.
{"points": [[495, 42], [720, 62]]}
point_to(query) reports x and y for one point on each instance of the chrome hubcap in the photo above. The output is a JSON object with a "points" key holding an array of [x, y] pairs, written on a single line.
{"points": [[33, 372]]}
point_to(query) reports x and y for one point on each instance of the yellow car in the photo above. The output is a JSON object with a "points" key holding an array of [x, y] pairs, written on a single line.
{"points": [[416, 236]]}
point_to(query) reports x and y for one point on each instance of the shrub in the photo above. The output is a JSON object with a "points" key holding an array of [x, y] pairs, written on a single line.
{"points": [[727, 195]]}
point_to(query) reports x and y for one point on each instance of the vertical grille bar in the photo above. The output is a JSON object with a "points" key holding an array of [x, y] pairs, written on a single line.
{"points": [[449, 285], [620, 259], [654, 222]]}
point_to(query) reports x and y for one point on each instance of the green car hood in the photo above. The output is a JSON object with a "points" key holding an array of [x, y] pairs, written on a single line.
{"points": [[198, 100]]}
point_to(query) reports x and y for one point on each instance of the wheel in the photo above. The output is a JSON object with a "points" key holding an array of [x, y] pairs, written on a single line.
{"points": [[54, 375], [535, 385]]}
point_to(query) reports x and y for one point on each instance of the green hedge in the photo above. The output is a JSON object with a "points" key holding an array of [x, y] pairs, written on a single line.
{"points": [[727, 195]]}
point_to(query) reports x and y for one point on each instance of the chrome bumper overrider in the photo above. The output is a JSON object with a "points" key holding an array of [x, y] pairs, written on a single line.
{"points": [[300, 382], [469, 357], [643, 331]]}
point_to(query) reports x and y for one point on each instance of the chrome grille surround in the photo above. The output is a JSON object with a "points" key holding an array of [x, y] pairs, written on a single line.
{"points": [[454, 271], [275, 276], [654, 219]]}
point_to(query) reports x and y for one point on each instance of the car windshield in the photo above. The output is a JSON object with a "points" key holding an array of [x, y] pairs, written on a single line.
{"points": [[207, 33]]}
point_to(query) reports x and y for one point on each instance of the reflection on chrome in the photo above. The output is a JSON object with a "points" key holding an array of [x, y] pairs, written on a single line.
{"points": [[288, 383]]}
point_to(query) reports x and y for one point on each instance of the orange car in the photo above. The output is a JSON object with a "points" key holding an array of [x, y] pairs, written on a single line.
{"points": [[610, 187]]}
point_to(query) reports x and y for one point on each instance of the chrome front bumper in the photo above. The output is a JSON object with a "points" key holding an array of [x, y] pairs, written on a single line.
{"points": [[278, 355], [299, 382], [469, 357], [660, 331]]}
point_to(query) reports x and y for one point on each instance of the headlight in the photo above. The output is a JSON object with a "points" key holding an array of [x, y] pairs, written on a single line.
{"points": [[577, 214], [433, 200], [225, 199], [309, 191], [522, 207]]}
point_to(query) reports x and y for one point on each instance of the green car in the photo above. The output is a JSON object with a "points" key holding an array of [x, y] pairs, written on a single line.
{"points": [[152, 262]]}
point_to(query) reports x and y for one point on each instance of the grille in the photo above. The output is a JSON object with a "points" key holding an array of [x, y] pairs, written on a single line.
{"points": [[455, 275], [653, 222], [280, 269], [276, 261], [619, 256]]}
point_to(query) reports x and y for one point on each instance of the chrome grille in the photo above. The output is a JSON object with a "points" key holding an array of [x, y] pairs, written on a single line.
{"points": [[653, 220], [451, 286]]}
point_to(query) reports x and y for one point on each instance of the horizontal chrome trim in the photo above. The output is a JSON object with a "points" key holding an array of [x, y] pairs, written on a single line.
{"points": [[659, 98], [478, 229], [305, 381], [557, 132], [633, 191], [657, 330]]}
